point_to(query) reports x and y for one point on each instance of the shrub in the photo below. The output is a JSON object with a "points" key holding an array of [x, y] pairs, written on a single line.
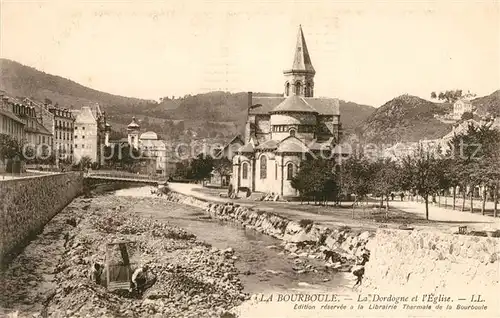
{"points": [[305, 222]]}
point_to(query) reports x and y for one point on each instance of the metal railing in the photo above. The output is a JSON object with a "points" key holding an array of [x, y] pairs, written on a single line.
{"points": [[124, 175]]}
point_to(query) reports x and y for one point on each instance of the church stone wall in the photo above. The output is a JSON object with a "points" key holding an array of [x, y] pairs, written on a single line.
{"points": [[288, 190], [293, 119], [262, 125], [269, 183]]}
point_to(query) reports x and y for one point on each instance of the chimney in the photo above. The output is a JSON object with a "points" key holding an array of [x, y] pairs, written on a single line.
{"points": [[250, 99]]}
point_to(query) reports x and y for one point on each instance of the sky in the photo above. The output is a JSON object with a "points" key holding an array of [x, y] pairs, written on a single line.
{"points": [[363, 51]]}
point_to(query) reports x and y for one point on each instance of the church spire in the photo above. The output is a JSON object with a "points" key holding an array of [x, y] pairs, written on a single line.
{"points": [[302, 59], [300, 78]]}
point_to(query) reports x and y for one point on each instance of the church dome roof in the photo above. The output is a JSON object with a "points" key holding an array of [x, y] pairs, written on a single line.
{"points": [[133, 124], [149, 135], [294, 103]]}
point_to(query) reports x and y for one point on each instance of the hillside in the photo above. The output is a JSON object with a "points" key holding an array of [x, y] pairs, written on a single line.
{"points": [[489, 104], [404, 118], [21, 80], [208, 115]]}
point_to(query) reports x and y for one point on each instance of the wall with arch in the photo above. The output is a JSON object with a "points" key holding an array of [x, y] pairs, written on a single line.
{"points": [[267, 184]]}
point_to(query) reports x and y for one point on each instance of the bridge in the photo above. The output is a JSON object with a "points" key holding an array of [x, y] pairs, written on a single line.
{"points": [[93, 179]]}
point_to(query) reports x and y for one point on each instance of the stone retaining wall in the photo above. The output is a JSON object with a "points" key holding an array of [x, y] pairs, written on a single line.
{"points": [[346, 250], [28, 204], [431, 262]]}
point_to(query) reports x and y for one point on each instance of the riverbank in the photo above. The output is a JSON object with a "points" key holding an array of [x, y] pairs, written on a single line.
{"points": [[50, 277], [340, 248]]}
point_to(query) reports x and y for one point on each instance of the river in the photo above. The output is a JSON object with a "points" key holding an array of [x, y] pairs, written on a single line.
{"points": [[263, 266]]}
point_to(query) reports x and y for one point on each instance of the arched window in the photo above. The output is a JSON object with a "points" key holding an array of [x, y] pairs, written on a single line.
{"points": [[263, 167], [287, 89], [298, 88], [245, 171], [308, 92], [289, 171], [292, 132]]}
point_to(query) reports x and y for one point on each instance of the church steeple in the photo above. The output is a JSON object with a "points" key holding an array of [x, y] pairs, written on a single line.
{"points": [[300, 78]]}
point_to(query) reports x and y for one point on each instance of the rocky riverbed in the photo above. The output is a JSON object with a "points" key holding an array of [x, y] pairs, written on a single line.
{"points": [[51, 276]]}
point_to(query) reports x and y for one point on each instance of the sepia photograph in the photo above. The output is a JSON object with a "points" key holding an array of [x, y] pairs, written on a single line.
{"points": [[247, 159]]}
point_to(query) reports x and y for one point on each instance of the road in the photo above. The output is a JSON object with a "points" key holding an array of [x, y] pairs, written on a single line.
{"points": [[444, 219]]}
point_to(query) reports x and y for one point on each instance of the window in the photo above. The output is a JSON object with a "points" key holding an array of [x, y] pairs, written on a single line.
{"points": [[245, 171], [289, 171], [83, 128], [308, 91], [276, 171], [298, 88], [263, 167], [287, 89], [76, 136], [83, 146], [83, 136], [292, 132], [76, 146]]}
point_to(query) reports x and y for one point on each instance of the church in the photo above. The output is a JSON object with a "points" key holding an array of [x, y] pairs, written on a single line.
{"points": [[281, 130]]}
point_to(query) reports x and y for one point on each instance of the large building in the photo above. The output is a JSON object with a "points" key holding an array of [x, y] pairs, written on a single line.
{"points": [[36, 137], [10, 123], [63, 128], [60, 123], [280, 130], [33, 135], [90, 134]]}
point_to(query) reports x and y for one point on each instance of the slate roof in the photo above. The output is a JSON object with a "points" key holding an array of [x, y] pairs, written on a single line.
{"points": [[133, 124], [84, 116], [294, 103], [269, 144], [302, 59], [322, 105], [292, 144], [248, 148], [11, 115], [41, 129]]}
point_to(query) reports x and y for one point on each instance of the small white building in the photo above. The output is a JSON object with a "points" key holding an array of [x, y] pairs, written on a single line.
{"points": [[460, 107], [151, 148]]}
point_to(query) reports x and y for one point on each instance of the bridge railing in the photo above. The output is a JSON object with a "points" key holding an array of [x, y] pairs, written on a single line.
{"points": [[124, 175]]}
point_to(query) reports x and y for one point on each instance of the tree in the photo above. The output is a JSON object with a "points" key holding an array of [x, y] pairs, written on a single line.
{"points": [[122, 156], [223, 167], [202, 166], [386, 174], [452, 96], [467, 116], [356, 177], [84, 162], [316, 179], [48, 101], [9, 147], [475, 155], [420, 173]]}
